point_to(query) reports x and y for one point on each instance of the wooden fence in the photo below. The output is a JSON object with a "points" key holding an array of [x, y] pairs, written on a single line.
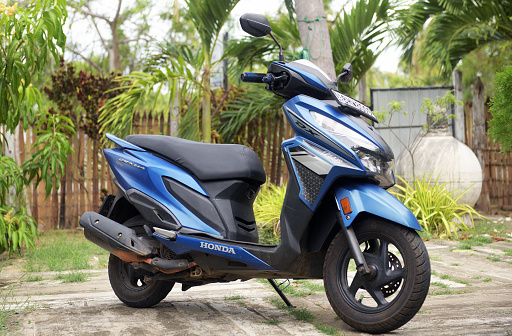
{"points": [[87, 179], [497, 167]]}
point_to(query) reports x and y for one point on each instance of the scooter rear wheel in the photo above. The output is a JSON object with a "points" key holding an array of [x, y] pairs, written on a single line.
{"points": [[397, 285], [129, 286]]}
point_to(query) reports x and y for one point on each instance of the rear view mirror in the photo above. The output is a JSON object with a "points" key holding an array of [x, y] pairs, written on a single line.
{"points": [[346, 74], [256, 25]]}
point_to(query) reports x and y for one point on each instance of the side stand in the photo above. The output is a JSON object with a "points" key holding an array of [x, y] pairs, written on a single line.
{"points": [[280, 292]]}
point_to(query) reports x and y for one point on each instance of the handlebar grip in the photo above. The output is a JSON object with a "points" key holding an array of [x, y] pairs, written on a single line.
{"points": [[252, 77]]}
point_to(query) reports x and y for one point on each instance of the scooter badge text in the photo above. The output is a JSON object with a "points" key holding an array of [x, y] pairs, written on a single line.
{"points": [[216, 247]]}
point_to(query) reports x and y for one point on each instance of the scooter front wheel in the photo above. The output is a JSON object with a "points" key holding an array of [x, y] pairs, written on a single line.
{"points": [[129, 286], [397, 285]]}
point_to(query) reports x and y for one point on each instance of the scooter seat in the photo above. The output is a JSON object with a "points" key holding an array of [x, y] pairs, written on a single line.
{"points": [[206, 161]]}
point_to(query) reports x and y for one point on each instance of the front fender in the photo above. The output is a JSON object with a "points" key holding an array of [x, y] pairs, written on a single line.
{"points": [[372, 199]]}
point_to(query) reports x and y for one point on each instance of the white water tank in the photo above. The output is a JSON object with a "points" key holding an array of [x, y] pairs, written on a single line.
{"points": [[438, 153]]}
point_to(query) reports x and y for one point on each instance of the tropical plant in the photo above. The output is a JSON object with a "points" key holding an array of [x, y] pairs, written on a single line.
{"points": [[357, 37], [267, 210], [189, 73], [29, 34], [501, 109], [452, 29], [434, 206]]}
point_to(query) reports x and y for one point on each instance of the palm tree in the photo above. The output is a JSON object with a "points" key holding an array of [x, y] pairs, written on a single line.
{"points": [[452, 29], [187, 71]]}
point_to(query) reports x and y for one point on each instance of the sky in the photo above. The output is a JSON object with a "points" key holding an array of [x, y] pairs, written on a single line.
{"points": [[81, 31]]}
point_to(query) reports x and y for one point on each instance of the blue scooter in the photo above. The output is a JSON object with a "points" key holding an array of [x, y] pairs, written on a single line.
{"points": [[183, 212]]}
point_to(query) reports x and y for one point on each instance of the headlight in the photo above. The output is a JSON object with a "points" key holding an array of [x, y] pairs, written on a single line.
{"points": [[374, 159]]}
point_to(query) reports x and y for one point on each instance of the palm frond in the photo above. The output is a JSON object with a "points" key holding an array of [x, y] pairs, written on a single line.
{"points": [[209, 16], [357, 37]]}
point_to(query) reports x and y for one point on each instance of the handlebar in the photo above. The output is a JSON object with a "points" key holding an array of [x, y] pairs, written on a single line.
{"points": [[268, 78], [252, 77]]}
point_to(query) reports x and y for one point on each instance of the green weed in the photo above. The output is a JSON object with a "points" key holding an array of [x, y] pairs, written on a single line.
{"points": [[72, 277], [34, 278], [235, 297], [487, 280], [450, 278], [9, 307], [61, 251], [508, 252], [449, 292], [328, 330], [439, 284], [455, 264], [272, 322], [493, 259], [435, 258]]}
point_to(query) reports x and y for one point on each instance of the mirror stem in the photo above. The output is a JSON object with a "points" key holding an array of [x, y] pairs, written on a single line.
{"points": [[281, 56]]}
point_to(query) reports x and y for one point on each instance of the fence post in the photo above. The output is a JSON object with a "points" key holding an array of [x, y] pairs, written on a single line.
{"points": [[480, 140], [459, 123]]}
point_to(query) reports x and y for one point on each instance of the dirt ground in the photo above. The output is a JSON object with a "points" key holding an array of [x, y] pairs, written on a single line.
{"points": [[477, 301]]}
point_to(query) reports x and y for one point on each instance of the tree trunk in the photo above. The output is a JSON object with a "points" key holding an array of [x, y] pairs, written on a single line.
{"points": [[361, 90], [459, 131], [206, 106], [114, 56], [479, 140], [315, 34], [95, 177]]}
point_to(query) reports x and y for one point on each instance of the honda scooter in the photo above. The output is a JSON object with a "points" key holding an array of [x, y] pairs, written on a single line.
{"points": [[183, 211]]}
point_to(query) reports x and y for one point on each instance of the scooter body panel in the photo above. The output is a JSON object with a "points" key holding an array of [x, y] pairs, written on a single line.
{"points": [[372, 199]]}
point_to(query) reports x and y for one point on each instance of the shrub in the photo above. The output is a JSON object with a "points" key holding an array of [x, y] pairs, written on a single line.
{"points": [[267, 210], [434, 206], [501, 109]]}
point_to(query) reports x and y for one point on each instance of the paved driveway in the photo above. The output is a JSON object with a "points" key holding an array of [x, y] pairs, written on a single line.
{"points": [[477, 300]]}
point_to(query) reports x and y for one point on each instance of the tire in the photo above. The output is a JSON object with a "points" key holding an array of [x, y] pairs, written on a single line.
{"points": [[128, 285], [397, 287]]}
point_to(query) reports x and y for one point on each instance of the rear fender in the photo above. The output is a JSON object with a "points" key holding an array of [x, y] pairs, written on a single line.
{"points": [[372, 199]]}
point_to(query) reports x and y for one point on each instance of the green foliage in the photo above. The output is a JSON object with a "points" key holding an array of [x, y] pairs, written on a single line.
{"points": [[27, 36], [191, 67], [61, 251], [16, 228], [434, 206], [50, 150], [501, 109], [357, 37], [267, 210], [72, 277], [453, 29]]}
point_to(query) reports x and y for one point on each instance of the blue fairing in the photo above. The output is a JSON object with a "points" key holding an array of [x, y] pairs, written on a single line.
{"points": [[308, 77], [185, 244], [143, 171], [372, 199]]}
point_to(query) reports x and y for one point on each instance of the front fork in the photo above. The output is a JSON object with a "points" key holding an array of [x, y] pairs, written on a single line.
{"points": [[357, 254]]}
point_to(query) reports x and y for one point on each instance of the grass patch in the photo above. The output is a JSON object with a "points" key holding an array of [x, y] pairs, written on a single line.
{"points": [[327, 329], [450, 278], [272, 322], [487, 280], [477, 277], [435, 258], [508, 252], [439, 284], [494, 259], [72, 277], [235, 297], [10, 307], [61, 251], [34, 278], [455, 264], [312, 286], [449, 292]]}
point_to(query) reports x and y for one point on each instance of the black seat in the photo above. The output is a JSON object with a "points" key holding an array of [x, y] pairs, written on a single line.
{"points": [[207, 161]]}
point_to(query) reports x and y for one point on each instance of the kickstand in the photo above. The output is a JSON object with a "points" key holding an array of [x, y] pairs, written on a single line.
{"points": [[280, 292]]}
